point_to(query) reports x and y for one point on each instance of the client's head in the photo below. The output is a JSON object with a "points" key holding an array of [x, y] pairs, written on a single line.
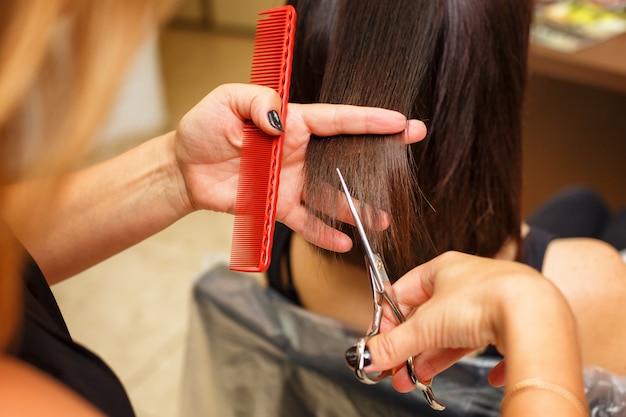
{"points": [[458, 65]]}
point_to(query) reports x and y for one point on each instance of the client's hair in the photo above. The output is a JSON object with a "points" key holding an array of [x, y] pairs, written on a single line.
{"points": [[458, 65]]}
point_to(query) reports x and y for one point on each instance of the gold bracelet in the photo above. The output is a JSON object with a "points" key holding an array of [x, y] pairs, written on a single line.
{"points": [[538, 383]]}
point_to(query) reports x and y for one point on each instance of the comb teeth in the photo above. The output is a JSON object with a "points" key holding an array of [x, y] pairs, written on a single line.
{"points": [[261, 154]]}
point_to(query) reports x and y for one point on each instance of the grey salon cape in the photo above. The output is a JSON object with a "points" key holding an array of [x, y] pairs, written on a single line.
{"points": [[252, 353]]}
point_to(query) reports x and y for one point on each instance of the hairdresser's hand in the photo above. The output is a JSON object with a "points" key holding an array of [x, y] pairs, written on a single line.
{"points": [[208, 145], [459, 303]]}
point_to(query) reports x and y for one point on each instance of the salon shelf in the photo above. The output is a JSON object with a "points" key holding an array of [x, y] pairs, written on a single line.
{"points": [[602, 65]]}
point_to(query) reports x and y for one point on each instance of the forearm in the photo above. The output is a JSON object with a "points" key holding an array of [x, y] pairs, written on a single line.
{"points": [[99, 211], [546, 355]]}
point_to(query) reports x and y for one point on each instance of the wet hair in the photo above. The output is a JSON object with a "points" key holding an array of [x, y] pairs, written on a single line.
{"points": [[458, 65]]}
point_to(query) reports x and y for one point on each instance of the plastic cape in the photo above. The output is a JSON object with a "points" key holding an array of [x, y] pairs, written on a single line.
{"points": [[252, 353], [606, 393]]}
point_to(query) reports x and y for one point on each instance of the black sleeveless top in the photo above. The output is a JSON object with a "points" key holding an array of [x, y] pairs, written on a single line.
{"points": [[279, 272], [45, 342]]}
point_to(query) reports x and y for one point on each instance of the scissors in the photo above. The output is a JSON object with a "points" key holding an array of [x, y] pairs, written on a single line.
{"points": [[381, 291]]}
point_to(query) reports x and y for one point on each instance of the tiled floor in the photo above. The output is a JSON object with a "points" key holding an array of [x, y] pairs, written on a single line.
{"points": [[132, 309]]}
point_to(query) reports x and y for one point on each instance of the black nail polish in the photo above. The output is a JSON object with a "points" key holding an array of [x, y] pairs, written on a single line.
{"points": [[274, 119], [351, 357]]}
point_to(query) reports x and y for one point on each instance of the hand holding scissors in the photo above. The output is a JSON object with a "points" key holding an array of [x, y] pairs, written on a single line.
{"points": [[381, 291]]}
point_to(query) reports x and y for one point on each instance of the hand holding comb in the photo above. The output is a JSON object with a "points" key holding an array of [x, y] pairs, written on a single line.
{"points": [[261, 154]]}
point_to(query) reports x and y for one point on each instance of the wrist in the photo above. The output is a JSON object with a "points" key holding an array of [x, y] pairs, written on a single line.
{"points": [[174, 187], [540, 338], [532, 312]]}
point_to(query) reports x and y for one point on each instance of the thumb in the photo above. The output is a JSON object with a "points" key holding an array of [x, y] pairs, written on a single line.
{"points": [[265, 108], [391, 349], [436, 339]]}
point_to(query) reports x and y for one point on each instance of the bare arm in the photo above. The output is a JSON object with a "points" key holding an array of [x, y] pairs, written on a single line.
{"points": [[26, 391], [102, 210], [592, 276], [540, 342]]}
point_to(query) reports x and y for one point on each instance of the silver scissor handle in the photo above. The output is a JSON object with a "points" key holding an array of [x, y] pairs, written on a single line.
{"points": [[425, 388], [358, 356], [359, 351]]}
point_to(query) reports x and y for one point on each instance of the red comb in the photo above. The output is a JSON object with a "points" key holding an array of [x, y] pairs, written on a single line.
{"points": [[261, 154]]}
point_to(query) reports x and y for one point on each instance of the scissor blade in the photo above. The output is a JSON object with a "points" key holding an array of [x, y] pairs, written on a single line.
{"points": [[366, 244], [357, 218]]}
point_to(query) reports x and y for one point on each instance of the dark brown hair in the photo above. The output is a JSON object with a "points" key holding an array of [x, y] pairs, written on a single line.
{"points": [[458, 65]]}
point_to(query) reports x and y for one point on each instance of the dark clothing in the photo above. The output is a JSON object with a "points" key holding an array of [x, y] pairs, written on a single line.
{"points": [[45, 343], [278, 274], [535, 245], [280, 278], [578, 211]]}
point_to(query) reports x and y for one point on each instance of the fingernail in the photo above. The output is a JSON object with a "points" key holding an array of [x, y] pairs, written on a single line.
{"points": [[274, 119], [351, 357]]}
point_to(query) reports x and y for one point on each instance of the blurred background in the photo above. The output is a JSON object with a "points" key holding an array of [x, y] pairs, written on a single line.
{"points": [[133, 309]]}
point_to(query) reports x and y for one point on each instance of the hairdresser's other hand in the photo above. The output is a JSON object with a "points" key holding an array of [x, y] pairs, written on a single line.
{"points": [[459, 303], [208, 145]]}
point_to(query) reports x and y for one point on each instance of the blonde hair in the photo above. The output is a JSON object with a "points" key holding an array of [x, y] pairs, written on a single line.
{"points": [[60, 64]]}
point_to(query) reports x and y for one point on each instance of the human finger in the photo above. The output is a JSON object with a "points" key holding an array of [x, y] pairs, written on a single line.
{"points": [[427, 366], [315, 231], [418, 285], [497, 375], [260, 104], [421, 340], [337, 206], [331, 119], [401, 381], [415, 287], [393, 347], [434, 361]]}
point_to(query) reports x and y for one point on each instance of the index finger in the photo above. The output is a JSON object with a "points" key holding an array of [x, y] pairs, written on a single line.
{"points": [[415, 287], [334, 119]]}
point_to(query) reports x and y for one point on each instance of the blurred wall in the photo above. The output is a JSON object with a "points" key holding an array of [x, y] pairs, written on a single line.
{"points": [[139, 111], [224, 14], [240, 13]]}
